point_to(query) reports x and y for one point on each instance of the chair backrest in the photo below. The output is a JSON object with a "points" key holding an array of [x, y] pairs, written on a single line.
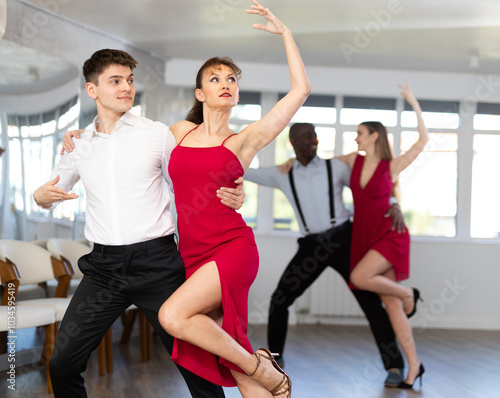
{"points": [[71, 250], [9, 277], [42, 243], [33, 262]]}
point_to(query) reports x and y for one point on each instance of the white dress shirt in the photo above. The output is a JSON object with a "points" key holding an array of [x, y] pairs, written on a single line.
{"points": [[125, 178], [311, 182]]}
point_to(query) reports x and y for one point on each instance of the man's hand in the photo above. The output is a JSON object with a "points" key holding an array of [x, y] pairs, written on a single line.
{"points": [[398, 222], [48, 194], [232, 197], [68, 144], [287, 166]]}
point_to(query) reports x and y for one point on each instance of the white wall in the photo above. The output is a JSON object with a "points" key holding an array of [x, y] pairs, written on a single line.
{"points": [[458, 282]]}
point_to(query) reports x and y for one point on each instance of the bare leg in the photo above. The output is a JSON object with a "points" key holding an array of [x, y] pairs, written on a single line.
{"points": [[185, 315], [402, 328], [369, 274], [249, 388]]}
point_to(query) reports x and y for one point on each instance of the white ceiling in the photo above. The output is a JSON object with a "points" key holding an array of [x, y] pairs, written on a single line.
{"points": [[437, 35], [425, 35]]}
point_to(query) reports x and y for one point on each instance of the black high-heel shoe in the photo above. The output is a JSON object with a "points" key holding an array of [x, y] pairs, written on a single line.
{"points": [[408, 386], [416, 297]]}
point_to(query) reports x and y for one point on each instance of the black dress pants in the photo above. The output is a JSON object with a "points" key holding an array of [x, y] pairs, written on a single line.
{"points": [[144, 274], [315, 253]]}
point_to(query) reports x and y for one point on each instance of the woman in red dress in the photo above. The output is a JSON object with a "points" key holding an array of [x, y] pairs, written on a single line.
{"points": [[208, 314], [379, 255]]}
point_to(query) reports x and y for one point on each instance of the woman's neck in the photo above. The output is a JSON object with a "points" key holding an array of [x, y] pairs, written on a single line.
{"points": [[371, 155], [216, 122]]}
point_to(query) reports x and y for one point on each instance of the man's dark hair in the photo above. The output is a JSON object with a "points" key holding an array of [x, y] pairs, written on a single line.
{"points": [[296, 127], [101, 59]]}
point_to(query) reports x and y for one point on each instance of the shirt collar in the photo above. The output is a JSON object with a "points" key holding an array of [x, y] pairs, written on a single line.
{"points": [[127, 118], [315, 160]]}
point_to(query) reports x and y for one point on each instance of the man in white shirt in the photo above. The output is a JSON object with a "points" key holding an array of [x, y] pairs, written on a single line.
{"points": [[122, 161]]}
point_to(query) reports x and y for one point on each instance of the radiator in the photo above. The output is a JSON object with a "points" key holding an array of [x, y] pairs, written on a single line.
{"points": [[330, 296]]}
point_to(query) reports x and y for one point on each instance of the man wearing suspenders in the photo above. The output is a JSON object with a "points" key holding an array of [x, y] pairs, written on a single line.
{"points": [[314, 188]]}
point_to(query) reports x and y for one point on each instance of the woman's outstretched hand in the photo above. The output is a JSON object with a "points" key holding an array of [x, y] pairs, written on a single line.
{"points": [[408, 95], [274, 25]]}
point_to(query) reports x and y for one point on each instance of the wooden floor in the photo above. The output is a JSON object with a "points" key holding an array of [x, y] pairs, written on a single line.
{"points": [[323, 361]]}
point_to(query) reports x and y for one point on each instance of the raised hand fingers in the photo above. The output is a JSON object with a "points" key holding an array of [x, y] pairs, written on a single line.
{"points": [[258, 9], [274, 25]]}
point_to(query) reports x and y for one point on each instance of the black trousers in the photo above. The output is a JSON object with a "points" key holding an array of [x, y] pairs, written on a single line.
{"points": [[316, 252], [144, 274]]}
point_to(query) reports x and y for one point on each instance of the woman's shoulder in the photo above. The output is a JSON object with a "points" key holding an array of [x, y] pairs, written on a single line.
{"points": [[181, 128], [349, 158]]}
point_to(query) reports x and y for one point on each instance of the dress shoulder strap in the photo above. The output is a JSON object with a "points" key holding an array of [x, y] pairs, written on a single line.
{"points": [[185, 135], [225, 139]]}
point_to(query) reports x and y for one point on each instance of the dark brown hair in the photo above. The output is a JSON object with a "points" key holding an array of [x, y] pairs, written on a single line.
{"points": [[101, 59], [195, 115]]}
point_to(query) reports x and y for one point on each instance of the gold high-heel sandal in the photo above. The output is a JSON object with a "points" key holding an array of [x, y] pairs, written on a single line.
{"points": [[285, 384]]}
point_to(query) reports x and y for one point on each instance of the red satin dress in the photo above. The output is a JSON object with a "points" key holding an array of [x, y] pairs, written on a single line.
{"points": [[370, 229], [210, 231]]}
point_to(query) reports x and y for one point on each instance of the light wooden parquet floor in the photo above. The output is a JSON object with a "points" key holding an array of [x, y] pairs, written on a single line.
{"points": [[323, 361]]}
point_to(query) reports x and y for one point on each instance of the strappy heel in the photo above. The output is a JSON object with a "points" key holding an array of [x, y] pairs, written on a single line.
{"points": [[416, 297], [285, 384]]}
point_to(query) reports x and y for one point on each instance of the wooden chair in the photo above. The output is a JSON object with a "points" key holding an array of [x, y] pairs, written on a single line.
{"points": [[37, 266], [14, 317]]}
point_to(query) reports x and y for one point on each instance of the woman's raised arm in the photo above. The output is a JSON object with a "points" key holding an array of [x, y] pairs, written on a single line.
{"points": [[262, 132], [402, 162]]}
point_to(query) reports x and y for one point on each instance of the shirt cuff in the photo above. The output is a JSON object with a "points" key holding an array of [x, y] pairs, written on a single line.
{"points": [[393, 201]]}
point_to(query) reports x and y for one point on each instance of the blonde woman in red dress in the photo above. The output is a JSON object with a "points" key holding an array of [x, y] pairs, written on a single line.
{"points": [[379, 255]]}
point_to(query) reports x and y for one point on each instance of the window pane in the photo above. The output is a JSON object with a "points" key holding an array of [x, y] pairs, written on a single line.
{"points": [[283, 149], [356, 116], [348, 143], [485, 211], [283, 214], [319, 114], [249, 208], [70, 116], [246, 112], [326, 145], [487, 122], [15, 173], [429, 185], [433, 120], [13, 131]]}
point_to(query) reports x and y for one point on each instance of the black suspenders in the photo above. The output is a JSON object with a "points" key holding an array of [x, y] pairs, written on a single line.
{"points": [[330, 189]]}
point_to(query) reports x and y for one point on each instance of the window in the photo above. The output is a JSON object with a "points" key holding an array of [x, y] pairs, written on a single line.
{"points": [[33, 146], [429, 184], [247, 111], [485, 195]]}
